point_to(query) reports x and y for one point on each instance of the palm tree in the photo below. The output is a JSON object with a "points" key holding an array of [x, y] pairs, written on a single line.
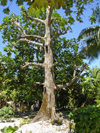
{"points": [[90, 37]]}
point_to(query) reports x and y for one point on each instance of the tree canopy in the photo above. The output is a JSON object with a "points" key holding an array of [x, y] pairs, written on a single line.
{"points": [[70, 6]]}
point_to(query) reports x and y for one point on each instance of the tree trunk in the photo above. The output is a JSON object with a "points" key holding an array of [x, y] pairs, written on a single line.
{"points": [[47, 110]]}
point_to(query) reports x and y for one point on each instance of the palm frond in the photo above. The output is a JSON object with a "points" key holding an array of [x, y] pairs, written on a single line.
{"points": [[91, 41], [88, 32]]}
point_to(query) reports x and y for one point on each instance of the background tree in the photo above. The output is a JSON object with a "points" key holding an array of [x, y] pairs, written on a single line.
{"points": [[91, 36], [18, 85], [91, 86], [66, 52]]}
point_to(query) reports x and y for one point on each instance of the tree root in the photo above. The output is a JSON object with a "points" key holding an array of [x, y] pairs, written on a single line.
{"points": [[41, 116]]}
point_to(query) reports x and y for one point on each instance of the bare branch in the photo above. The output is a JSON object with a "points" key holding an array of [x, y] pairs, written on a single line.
{"points": [[39, 83], [74, 77], [32, 64], [25, 35], [29, 41], [32, 36], [34, 19], [67, 84], [55, 64], [50, 15], [19, 26], [74, 73], [61, 33], [75, 67]]}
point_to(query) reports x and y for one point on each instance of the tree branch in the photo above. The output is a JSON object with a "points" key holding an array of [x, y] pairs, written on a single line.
{"points": [[32, 64], [55, 64], [29, 41], [67, 84], [60, 33], [32, 36], [39, 83], [19, 26], [50, 15], [25, 35], [74, 77], [34, 19]]}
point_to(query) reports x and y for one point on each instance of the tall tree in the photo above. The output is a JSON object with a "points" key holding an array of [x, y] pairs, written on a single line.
{"points": [[46, 41]]}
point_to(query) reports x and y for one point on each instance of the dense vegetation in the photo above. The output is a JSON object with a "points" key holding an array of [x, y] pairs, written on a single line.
{"points": [[86, 119]]}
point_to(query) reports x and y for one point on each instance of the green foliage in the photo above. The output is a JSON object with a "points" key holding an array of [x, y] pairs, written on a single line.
{"points": [[25, 121], [69, 6], [56, 122], [87, 119], [91, 86], [6, 10], [17, 84], [3, 2], [95, 17], [9, 129], [6, 112], [66, 53], [18, 2]]}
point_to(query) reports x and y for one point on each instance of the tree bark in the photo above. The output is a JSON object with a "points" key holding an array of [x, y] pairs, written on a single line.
{"points": [[47, 110]]}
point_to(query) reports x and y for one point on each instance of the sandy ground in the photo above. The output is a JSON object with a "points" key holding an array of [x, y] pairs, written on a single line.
{"points": [[37, 127], [43, 127], [15, 122]]}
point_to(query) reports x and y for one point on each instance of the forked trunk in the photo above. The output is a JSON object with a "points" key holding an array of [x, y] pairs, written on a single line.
{"points": [[47, 110]]}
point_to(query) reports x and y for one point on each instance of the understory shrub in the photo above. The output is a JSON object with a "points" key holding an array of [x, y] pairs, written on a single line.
{"points": [[6, 112], [9, 129], [87, 119]]}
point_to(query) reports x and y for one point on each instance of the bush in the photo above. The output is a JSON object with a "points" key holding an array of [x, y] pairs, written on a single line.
{"points": [[9, 129], [6, 112], [87, 119]]}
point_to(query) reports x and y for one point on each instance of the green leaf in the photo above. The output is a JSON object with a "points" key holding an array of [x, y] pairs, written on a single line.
{"points": [[6, 10], [3, 2]]}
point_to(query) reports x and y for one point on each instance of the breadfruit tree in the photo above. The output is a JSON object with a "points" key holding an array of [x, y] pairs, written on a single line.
{"points": [[46, 41]]}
